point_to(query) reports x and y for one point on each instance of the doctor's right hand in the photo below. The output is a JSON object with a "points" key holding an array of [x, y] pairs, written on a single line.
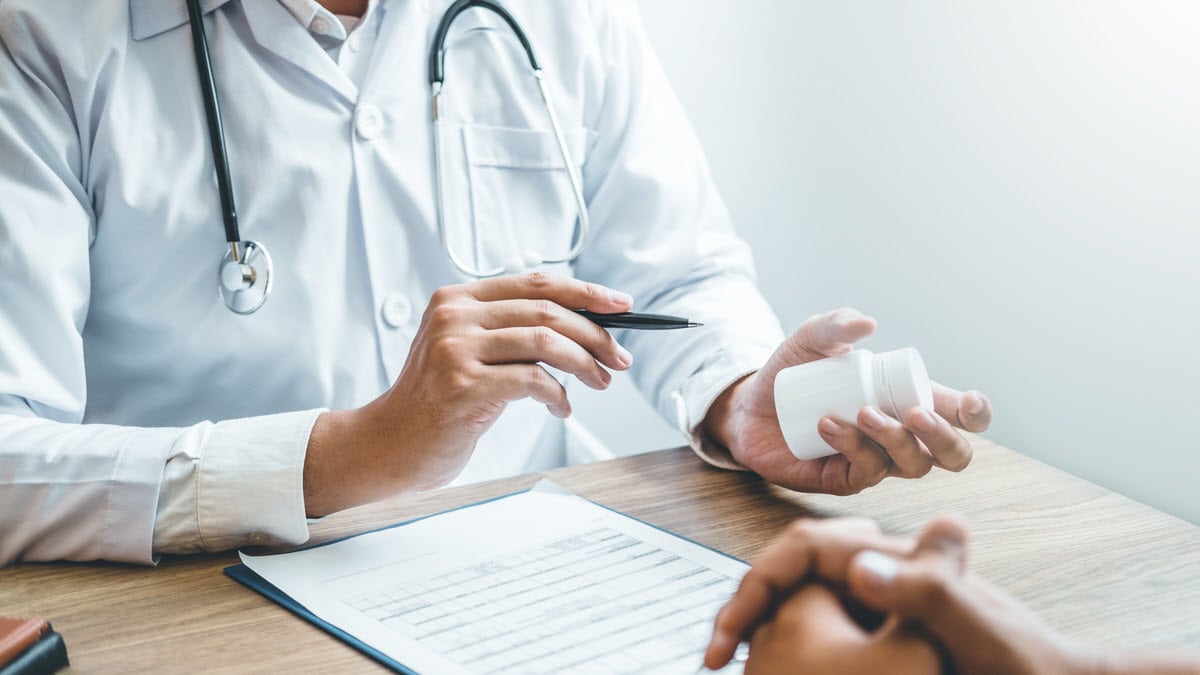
{"points": [[479, 346]]}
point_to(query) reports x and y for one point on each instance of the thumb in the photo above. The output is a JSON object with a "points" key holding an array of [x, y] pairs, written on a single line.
{"points": [[822, 335], [924, 587]]}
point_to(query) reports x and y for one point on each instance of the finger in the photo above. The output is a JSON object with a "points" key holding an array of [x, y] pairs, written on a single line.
{"points": [[811, 632], [925, 586], [593, 338], [815, 606], [514, 382], [943, 442], [867, 462], [542, 345], [911, 458], [971, 411], [565, 291], [821, 336], [807, 548], [833, 332]]}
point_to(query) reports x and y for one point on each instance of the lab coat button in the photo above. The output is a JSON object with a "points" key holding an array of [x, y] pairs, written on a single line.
{"points": [[396, 310], [320, 26], [354, 42], [368, 122]]}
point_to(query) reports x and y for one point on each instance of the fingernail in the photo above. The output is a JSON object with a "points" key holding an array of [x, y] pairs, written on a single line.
{"points": [[620, 298], [882, 569], [624, 356], [828, 426], [974, 405], [922, 421], [872, 418]]}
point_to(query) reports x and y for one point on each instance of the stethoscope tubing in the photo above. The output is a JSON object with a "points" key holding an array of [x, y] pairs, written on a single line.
{"points": [[437, 76], [216, 129], [437, 53]]}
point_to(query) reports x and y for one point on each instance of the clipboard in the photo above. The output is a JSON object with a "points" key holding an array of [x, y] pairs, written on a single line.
{"points": [[377, 649]]}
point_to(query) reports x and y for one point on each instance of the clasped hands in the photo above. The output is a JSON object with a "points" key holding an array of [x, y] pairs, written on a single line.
{"points": [[838, 596], [482, 345]]}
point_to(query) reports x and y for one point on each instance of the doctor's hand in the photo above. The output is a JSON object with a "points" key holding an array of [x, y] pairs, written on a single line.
{"points": [[480, 346], [743, 419]]}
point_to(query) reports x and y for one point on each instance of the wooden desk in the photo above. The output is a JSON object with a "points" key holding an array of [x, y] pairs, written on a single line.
{"points": [[1093, 563]]}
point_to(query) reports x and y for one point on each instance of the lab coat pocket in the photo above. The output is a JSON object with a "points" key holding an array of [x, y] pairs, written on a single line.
{"points": [[520, 194]]}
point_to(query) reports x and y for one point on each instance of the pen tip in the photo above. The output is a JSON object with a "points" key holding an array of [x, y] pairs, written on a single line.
{"points": [[693, 324]]}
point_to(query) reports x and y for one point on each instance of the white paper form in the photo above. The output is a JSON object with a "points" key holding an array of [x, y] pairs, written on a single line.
{"points": [[539, 582]]}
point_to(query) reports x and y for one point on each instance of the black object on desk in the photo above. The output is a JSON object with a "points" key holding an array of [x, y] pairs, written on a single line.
{"points": [[636, 321], [30, 646]]}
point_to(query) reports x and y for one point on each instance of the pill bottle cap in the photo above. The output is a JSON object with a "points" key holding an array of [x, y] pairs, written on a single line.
{"points": [[905, 382]]}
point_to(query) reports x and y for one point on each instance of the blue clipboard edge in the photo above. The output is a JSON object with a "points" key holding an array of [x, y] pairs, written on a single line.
{"points": [[247, 577]]}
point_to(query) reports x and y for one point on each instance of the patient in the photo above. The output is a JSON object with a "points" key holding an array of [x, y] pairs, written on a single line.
{"points": [[838, 596]]}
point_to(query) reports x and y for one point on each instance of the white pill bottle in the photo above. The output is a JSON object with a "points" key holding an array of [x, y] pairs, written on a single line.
{"points": [[896, 382]]}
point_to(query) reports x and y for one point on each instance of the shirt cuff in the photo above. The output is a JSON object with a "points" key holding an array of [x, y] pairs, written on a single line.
{"points": [[250, 484], [701, 390], [133, 491]]}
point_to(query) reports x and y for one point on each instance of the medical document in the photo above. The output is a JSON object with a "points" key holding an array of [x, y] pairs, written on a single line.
{"points": [[542, 581]]}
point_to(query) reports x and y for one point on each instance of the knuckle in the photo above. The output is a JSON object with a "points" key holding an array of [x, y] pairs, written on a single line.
{"points": [[543, 339], [538, 280], [458, 382], [445, 348], [444, 294], [544, 312], [846, 488], [602, 340], [590, 292], [537, 377], [801, 530], [443, 314]]}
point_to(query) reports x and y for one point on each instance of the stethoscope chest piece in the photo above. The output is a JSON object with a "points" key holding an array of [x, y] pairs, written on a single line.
{"points": [[246, 282]]}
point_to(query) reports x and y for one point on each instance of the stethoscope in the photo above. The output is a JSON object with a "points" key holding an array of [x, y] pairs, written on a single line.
{"points": [[247, 273]]}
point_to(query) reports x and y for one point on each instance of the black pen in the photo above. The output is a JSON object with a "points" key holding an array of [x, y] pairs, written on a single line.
{"points": [[636, 321]]}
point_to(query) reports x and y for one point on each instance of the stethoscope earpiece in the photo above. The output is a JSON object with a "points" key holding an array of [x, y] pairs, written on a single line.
{"points": [[246, 282]]}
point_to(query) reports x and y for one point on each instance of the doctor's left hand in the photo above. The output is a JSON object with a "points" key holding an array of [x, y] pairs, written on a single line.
{"points": [[743, 419]]}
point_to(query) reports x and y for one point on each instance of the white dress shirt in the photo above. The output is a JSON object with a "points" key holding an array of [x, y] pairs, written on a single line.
{"points": [[138, 415]]}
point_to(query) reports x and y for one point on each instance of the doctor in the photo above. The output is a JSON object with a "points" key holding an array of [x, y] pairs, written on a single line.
{"points": [[139, 415]]}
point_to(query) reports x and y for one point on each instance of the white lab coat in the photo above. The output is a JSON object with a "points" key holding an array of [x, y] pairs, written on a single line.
{"points": [[139, 415]]}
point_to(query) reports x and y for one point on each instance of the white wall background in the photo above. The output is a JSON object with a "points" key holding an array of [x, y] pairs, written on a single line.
{"points": [[1013, 188]]}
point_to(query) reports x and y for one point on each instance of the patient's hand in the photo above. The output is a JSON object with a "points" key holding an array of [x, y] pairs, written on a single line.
{"points": [[812, 633], [919, 588]]}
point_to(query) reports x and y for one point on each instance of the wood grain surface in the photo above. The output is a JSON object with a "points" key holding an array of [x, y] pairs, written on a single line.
{"points": [[1092, 563]]}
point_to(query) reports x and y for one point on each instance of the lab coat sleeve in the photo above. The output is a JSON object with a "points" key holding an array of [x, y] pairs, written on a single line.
{"points": [[78, 491], [663, 234]]}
